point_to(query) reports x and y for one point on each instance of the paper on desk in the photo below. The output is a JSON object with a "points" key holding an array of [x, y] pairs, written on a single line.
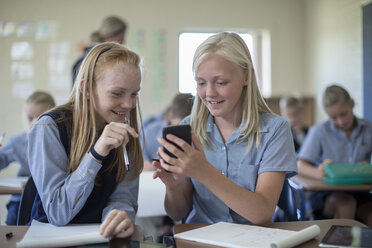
{"points": [[13, 182], [242, 236], [46, 235]]}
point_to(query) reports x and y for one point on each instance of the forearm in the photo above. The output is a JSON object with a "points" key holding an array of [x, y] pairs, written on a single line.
{"points": [[257, 207], [308, 170], [178, 200]]}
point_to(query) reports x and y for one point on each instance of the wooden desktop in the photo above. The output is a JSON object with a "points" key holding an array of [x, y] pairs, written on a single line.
{"points": [[310, 184]]}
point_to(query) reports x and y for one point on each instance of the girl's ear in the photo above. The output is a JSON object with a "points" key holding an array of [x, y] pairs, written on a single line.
{"points": [[81, 88], [352, 103], [248, 76]]}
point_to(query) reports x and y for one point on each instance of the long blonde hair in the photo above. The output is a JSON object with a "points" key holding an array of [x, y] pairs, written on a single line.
{"points": [[233, 48], [84, 126]]}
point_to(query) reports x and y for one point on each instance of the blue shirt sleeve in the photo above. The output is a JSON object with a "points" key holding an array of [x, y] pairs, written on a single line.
{"points": [[63, 195], [279, 153], [311, 148]]}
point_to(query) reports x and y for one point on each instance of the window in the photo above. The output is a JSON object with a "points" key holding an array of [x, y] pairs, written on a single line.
{"points": [[188, 42]]}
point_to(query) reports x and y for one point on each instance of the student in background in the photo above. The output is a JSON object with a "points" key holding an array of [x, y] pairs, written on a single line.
{"points": [[15, 150], [291, 108], [236, 171], [76, 150], [112, 29], [179, 108], [343, 138]]}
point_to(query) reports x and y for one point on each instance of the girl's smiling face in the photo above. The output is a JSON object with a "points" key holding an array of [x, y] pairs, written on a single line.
{"points": [[219, 85], [115, 93]]}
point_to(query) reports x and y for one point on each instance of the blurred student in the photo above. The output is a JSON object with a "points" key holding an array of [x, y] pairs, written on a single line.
{"points": [[291, 108], [241, 152], [179, 108], [343, 138], [15, 150], [112, 29], [76, 151]]}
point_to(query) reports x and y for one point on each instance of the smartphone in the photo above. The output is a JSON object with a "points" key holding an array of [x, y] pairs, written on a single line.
{"points": [[181, 131], [347, 236]]}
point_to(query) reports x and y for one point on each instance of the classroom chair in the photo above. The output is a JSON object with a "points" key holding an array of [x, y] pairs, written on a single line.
{"points": [[291, 204], [27, 200]]}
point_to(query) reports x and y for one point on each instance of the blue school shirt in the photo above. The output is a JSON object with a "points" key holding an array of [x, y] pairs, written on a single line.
{"points": [[152, 132], [63, 195], [325, 140], [15, 150], [275, 153]]}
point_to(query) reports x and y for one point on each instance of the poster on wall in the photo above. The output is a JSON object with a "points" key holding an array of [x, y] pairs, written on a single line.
{"points": [[22, 70], [22, 89], [21, 51]]}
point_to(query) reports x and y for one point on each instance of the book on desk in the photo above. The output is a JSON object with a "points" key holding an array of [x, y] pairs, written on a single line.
{"points": [[240, 235], [348, 174]]}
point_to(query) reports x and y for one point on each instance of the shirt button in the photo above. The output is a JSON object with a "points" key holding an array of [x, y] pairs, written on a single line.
{"points": [[224, 148], [91, 171]]}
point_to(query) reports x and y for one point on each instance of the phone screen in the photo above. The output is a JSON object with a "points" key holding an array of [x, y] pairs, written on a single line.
{"points": [[347, 236], [181, 131]]}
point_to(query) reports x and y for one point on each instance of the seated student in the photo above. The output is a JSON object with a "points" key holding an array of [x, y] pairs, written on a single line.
{"points": [[179, 108], [343, 138], [112, 29], [291, 109], [236, 171], [15, 150], [76, 149]]}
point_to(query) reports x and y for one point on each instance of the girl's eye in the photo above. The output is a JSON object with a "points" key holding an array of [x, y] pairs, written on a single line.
{"points": [[221, 83], [116, 93], [135, 94]]}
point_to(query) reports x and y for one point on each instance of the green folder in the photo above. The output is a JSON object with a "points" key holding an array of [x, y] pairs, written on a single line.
{"points": [[348, 174]]}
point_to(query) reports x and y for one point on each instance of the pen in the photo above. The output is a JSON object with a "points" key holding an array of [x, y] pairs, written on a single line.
{"points": [[126, 159], [2, 138]]}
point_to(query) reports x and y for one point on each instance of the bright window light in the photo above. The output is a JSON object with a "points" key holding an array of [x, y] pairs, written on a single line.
{"points": [[188, 42]]}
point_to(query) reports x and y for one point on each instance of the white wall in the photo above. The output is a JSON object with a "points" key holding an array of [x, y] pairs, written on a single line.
{"points": [[334, 49]]}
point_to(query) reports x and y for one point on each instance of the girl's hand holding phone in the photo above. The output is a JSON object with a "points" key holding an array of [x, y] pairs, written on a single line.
{"points": [[190, 162], [114, 135]]}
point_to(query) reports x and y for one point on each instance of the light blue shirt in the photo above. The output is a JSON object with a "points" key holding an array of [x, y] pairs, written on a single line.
{"points": [[152, 132], [15, 150], [275, 153], [325, 140], [63, 195]]}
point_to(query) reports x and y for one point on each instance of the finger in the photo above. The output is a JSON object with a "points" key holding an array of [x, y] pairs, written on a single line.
{"points": [[112, 220], [126, 232], [171, 148], [122, 227]]}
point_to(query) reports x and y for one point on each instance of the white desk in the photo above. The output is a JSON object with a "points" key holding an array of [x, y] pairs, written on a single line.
{"points": [[151, 196]]}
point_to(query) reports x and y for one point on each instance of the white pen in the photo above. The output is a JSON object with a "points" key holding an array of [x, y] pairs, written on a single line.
{"points": [[2, 138], [126, 159]]}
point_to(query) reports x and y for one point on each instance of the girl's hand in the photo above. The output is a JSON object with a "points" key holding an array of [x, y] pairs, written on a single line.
{"points": [[113, 135], [170, 180], [321, 171], [190, 162], [117, 224]]}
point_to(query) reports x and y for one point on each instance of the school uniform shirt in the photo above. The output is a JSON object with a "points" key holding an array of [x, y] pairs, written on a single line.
{"points": [[63, 195], [15, 150], [275, 153], [325, 140], [152, 132]]}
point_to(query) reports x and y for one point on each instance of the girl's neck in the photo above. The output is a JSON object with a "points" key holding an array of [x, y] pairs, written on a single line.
{"points": [[226, 127]]}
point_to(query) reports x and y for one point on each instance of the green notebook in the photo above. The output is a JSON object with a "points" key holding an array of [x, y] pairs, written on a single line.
{"points": [[348, 173]]}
